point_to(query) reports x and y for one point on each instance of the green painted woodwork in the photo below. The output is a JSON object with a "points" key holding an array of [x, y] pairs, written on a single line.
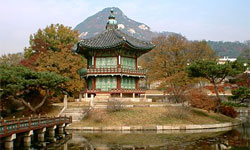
{"points": [[106, 83], [90, 61], [128, 62], [106, 62], [128, 83], [90, 84]]}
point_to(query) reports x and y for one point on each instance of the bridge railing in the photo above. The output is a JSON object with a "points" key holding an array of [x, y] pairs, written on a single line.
{"points": [[19, 125]]}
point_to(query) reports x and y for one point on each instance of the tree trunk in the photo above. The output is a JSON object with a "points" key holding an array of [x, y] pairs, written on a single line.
{"points": [[34, 109], [217, 92], [43, 101], [28, 105]]}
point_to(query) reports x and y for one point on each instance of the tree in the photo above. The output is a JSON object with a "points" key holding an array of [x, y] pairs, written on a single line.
{"points": [[11, 59], [50, 50], [66, 64], [200, 50], [17, 82], [242, 92], [166, 63], [214, 72], [245, 56]]}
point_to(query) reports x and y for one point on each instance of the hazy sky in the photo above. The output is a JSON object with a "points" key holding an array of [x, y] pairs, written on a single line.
{"points": [[225, 20]]}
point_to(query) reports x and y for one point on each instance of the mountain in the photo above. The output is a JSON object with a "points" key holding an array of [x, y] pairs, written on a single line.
{"points": [[230, 49], [95, 24]]}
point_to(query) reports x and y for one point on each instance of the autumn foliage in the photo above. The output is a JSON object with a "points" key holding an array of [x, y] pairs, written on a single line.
{"points": [[167, 62], [50, 51], [199, 99], [228, 111]]}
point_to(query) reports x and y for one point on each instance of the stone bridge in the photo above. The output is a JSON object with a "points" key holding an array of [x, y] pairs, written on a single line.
{"points": [[18, 132]]}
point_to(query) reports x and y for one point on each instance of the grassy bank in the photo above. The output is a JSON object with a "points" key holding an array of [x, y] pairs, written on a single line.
{"points": [[151, 116]]}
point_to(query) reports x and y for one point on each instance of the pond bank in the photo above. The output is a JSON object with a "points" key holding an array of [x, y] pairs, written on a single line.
{"points": [[152, 118], [156, 127]]}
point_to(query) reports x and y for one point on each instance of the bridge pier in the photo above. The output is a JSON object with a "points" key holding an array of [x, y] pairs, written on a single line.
{"points": [[51, 131], [41, 135], [8, 142], [27, 138], [61, 130]]}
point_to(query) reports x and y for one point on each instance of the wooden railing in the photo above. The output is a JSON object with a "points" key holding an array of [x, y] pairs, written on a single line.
{"points": [[139, 91], [8, 127], [141, 72]]}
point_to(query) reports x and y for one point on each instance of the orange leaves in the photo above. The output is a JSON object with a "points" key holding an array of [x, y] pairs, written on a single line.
{"points": [[50, 51], [66, 64], [199, 99]]}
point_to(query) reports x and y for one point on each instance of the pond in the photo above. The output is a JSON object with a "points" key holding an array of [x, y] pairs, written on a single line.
{"points": [[237, 138]]}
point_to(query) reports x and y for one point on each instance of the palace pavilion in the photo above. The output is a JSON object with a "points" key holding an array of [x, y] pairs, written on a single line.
{"points": [[112, 68]]}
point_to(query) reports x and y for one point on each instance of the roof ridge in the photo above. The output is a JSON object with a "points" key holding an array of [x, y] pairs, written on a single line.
{"points": [[114, 37], [95, 37]]}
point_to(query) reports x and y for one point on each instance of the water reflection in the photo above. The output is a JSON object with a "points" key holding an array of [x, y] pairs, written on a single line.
{"points": [[237, 138]]}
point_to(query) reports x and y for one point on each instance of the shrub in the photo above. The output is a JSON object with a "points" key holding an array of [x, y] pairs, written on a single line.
{"points": [[180, 112], [115, 105], [199, 99], [228, 111]]}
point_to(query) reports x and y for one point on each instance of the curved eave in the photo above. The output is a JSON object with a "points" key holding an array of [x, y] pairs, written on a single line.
{"points": [[82, 45]]}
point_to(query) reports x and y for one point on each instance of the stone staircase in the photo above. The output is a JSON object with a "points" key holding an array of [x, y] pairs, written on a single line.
{"points": [[77, 113], [102, 97]]}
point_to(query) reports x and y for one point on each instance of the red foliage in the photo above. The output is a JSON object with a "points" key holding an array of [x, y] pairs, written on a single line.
{"points": [[30, 62], [244, 80], [220, 88], [199, 99], [228, 111]]}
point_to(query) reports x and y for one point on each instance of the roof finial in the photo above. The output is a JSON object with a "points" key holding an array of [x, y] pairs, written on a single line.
{"points": [[112, 23]]}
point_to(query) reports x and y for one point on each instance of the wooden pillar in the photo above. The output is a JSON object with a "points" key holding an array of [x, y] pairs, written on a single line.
{"points": [[94, 62], [118, 82], [94, 83], [136, 63], [137, 83], [117, 62]]}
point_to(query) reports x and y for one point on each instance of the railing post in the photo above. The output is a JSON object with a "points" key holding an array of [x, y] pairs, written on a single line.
{"points": [[5, 126], [29, 122], [18, 123]]}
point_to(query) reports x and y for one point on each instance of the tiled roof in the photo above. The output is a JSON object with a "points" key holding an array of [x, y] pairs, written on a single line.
{"points": [[111, 38]]}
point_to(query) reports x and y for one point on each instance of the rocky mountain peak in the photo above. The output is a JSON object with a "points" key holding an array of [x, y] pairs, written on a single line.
{"points": [[95, 24]]}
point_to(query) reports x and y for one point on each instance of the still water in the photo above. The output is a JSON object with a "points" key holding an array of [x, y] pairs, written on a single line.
{"points": [[237, 138]]}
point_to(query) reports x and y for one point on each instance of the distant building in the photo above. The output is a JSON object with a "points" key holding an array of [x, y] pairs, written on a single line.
{"points": [[225, 59]]}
